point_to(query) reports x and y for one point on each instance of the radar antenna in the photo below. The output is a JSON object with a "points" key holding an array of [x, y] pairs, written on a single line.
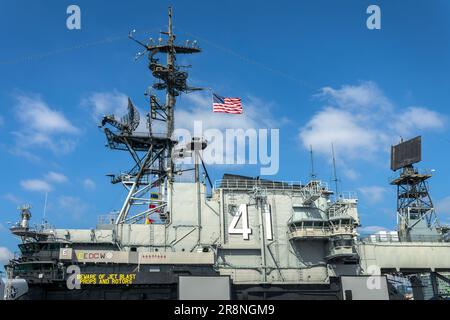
{"points": [[313, 173], [127, 123], [335, 179]]}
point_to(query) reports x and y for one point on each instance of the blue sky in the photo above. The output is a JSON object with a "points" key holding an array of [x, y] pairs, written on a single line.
{"points": [[310, 68]]}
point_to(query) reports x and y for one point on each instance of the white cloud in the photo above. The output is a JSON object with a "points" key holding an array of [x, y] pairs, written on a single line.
{"points": [[340, 127], [5, 256], [36, 185], [55, 177], [365, 95], [89, 184], [12, 198], [38, 116], [106, 103], [362, 122], [373, 194], [73, 205], [42, 127], [418, 118], [44, 185], [21, 152]]}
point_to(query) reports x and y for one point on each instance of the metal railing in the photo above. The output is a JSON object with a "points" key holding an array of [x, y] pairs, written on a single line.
{"points": [[107, 218], [309, 232], [325, 231], [392, 238], [345, 195], [415, 171], [249, 184], [284, 185], [161, 135], [339, 209]]}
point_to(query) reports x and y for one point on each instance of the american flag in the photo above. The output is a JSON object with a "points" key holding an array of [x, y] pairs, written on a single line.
{"points": [[227, 105]]}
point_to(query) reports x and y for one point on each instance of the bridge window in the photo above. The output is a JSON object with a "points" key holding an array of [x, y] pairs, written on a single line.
{"points": [[343, 243]]}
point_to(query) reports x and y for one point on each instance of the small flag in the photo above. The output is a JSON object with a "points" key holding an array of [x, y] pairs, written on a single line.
{"points": [[152, 206], [149, 220], [226, 105], [154, 195]]}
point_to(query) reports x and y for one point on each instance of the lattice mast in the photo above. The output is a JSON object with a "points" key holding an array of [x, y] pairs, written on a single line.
{"points": [[149, 182], [414, 205]]}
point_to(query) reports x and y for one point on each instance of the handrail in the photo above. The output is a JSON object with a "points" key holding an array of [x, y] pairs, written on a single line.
{"points": [[390, 238], [107, 218], [248, 184], [416, 171], [282, 185], [346, 195]]}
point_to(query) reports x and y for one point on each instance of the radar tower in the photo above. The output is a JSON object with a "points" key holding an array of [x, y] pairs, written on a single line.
{"points": [[417, 219]]}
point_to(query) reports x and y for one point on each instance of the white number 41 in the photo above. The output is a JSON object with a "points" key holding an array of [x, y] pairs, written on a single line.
{"points": [[246, 231]]}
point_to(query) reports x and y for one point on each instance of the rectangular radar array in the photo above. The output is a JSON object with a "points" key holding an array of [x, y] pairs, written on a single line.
{"points": [[406, 153]]}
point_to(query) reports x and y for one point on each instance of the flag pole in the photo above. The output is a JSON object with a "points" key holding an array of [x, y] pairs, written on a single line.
{"points": [[212, 96]]}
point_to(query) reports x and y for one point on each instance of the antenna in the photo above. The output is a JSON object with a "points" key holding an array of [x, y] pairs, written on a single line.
{"points": [[45, 208], [335, 179], [313, 174]]}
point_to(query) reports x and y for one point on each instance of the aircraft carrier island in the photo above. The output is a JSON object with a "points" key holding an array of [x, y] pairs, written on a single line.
{"points": [[237, 238]]}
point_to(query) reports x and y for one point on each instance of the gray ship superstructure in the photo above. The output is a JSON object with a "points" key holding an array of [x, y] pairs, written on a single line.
{"points": [[265, 235], [267, 239]]}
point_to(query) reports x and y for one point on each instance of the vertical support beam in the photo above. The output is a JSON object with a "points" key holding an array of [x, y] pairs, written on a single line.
{"points": [[434, 284], [198, 195], [222, 216], [417, 287], [262, 239]]}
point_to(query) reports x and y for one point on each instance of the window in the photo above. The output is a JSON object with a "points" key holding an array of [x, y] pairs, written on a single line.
{"points": [[343, 243]]}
